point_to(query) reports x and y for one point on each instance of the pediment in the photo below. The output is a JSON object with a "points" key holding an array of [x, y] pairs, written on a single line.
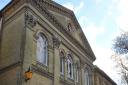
{"points": [[68, 20], [69, 25]]}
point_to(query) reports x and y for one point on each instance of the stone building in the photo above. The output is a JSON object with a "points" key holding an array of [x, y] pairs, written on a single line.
{"points": [[101, 78], [42, 43]]}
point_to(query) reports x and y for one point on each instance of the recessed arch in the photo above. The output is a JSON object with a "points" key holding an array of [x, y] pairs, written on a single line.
{"points": [[42, 49], [87, 76], [69, 53], [70, 63], [62, 62], [61, 50], [77, 68]]}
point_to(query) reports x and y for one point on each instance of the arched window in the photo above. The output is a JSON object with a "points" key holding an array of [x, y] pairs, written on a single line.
{"points": [[70, 67], [87, 77], [42, 49], [62, 63]]}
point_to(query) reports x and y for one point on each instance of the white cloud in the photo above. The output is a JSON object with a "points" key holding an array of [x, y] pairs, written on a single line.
{"points": [[103, 58], [73, 7], [103, 55], [92, 32], [105, 62], [122, 19], [97, 2], [83, 20], [79, 7], [69, 5]]}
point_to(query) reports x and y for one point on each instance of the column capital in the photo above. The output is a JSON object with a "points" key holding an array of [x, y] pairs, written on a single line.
{"points": [[56, 42]]}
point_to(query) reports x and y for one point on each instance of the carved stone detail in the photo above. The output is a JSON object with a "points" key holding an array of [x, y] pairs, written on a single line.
{"points": [[41, 8], [77, 65], [30, 20], [56, 42], [43, 72]]}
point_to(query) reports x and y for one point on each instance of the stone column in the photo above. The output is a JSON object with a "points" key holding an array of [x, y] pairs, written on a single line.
{"points": [[82, 76], [79, 75], [93, 78], [74, 73], [65, 69]]}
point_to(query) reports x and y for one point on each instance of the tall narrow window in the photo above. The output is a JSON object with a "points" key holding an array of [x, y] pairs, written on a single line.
{"points": [[42, 49], [70, 67], [87, 78], [62, 63], [77, 73]]}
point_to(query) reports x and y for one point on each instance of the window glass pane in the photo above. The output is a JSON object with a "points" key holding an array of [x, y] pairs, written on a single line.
{"points": [[62, 63], [86, 78], [42, 49], [70, 67]]}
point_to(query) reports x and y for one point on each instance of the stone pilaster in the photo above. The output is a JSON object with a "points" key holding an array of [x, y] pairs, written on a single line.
{"points": [[65, 70], [56, 44]]}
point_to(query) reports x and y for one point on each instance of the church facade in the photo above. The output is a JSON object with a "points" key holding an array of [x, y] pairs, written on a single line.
{"points": [[42, 43]]}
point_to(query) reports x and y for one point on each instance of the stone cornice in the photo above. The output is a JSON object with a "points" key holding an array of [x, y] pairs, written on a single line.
{"points": [[67, 82], [11, 7], [16, 64], [39, 70], [96, 69], [62, 10], [57, 7]]}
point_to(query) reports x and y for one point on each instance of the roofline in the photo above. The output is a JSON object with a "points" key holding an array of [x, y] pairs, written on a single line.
{"points": [[78, 25], [66, 9], [4, 8], [0, 14], [97, 69]]}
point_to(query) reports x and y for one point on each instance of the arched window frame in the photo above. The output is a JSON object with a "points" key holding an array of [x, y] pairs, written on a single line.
{"points": [[87, 76], [70, 66], [42, 49], [62, 64]]}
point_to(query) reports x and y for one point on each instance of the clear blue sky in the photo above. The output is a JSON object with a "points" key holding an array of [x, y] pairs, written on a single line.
{"points": [[3, 3], [101, 21]]}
